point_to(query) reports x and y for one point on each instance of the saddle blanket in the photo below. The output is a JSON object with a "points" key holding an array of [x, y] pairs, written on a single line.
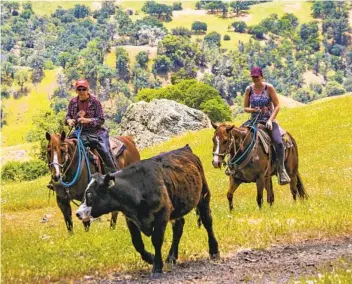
{"points": [[266, 140], [117, 146]]}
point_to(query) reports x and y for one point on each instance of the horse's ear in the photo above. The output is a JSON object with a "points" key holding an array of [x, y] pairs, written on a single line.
{"points": [[214, 125], [229, 128], [47, 136], [63, 136]]}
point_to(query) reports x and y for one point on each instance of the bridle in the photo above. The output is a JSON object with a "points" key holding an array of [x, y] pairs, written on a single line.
{"points": [[232, 144]]}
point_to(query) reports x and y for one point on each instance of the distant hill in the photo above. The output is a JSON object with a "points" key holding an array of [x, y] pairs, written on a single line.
{"points": [[288, 102]]}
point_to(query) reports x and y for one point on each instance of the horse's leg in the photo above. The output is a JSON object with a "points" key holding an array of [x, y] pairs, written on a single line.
{"points": [[138, 242], [234, 184], [269, 191], [293, 186], [260, 187], [113, 220], [177, 230], [205, 215], [65, 207]]}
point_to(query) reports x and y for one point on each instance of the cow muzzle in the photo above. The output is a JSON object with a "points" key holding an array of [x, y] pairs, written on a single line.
{"points": [[83, 212]]}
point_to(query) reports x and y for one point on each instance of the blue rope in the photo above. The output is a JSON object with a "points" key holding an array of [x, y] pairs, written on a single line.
{"points": [[81, 149], [253, 128]]}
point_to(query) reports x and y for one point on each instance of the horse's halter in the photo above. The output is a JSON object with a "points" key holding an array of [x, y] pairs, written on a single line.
{"points": [[231, 144], [54, 157]]}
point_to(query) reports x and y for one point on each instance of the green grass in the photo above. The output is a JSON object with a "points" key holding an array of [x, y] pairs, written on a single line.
{"points": [[34, 251], [255, 15], [341, 272], [49, 7], [19, 112], [110, 58]]}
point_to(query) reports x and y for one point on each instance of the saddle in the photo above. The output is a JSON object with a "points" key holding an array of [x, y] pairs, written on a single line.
{"points": [[265, 139], [116, 146]]}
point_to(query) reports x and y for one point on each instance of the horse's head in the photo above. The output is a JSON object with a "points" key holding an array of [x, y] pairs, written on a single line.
{"points": [[223, 139], [58, 154]]}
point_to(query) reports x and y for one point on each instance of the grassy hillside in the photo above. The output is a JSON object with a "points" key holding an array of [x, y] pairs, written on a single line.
{"points": [[19, 112], [34, 251]]}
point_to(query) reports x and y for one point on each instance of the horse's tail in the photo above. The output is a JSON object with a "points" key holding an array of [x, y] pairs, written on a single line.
{"points": [[300, 187]]}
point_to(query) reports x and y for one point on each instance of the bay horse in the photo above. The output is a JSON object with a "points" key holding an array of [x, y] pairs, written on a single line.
{"points": [[63, 161], [256, 165]]}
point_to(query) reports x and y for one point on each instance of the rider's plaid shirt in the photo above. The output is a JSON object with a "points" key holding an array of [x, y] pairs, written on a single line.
{"points": [[94, 111]]}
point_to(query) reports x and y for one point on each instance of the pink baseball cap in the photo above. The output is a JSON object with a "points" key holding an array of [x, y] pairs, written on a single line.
{"points": [[82, 83], [256, 71]]}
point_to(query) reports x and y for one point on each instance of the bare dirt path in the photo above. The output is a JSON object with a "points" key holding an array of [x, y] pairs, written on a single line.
{"points": [[278, 264]]}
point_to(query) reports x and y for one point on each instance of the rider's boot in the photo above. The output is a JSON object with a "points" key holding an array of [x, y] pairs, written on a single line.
{"points": [[283, 176], [109, 162]]}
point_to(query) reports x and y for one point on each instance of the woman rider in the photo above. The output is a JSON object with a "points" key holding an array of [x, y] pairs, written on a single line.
{"points": [[261, 100]]}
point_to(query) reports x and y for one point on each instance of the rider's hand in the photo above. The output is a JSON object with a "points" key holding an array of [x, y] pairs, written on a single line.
{"points": [[84, 120], [71, 122], [269, 124], [257, 109]]}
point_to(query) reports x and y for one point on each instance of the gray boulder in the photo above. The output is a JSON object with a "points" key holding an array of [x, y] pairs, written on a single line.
{"points": [[159, 120]]}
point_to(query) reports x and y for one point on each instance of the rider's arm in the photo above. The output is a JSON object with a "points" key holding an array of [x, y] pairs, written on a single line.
{"points": [[99, 118], [275, 100], [70, 112], [246, 102]]}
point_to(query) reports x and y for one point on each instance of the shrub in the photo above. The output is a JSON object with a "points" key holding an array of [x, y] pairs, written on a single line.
{"points": [[216, 110], [333, 88], [213, 38], [303, 95], [347, 84], [239, 26], [177, 6], [20, 171], [257, 31], [317, 88], [227, 37], [199, 27]]}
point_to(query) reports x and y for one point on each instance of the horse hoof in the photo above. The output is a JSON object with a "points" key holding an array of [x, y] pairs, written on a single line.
{"points": [[156, 275], [171, 260], [215, 256]]}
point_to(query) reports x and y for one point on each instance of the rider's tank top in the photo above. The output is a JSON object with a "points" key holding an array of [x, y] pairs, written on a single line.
{"points": [[261, 100]]}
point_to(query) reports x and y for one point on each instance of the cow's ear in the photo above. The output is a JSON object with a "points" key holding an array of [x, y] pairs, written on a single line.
{"points": [[108, 178], [63, 136], [214, 125], [47, 136], [229, 128]]}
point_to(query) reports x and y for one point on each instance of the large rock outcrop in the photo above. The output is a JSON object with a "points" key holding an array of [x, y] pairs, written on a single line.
{"points": [[157, 121]]}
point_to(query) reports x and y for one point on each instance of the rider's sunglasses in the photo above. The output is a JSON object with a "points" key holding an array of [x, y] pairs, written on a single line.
{"points": [[81, 89]]}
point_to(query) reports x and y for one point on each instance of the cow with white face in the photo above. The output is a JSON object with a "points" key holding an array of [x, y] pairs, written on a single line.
{"points": [[150, 194]]}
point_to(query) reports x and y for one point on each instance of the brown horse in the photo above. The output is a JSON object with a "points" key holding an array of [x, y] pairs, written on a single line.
{"points": [[256, 166], [63, 161]]}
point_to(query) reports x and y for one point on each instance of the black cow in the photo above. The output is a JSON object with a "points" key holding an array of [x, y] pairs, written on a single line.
{"points": [[151, 193]]}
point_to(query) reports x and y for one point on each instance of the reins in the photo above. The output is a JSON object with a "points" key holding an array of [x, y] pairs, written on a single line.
{"points": [[237, 159], [82, 154]]}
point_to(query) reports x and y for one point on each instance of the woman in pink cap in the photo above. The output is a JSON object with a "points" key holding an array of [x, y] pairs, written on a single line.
{"points": [[261, 100]]}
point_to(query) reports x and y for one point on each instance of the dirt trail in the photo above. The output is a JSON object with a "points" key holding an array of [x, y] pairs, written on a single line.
{"points": [[278, 264]]}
